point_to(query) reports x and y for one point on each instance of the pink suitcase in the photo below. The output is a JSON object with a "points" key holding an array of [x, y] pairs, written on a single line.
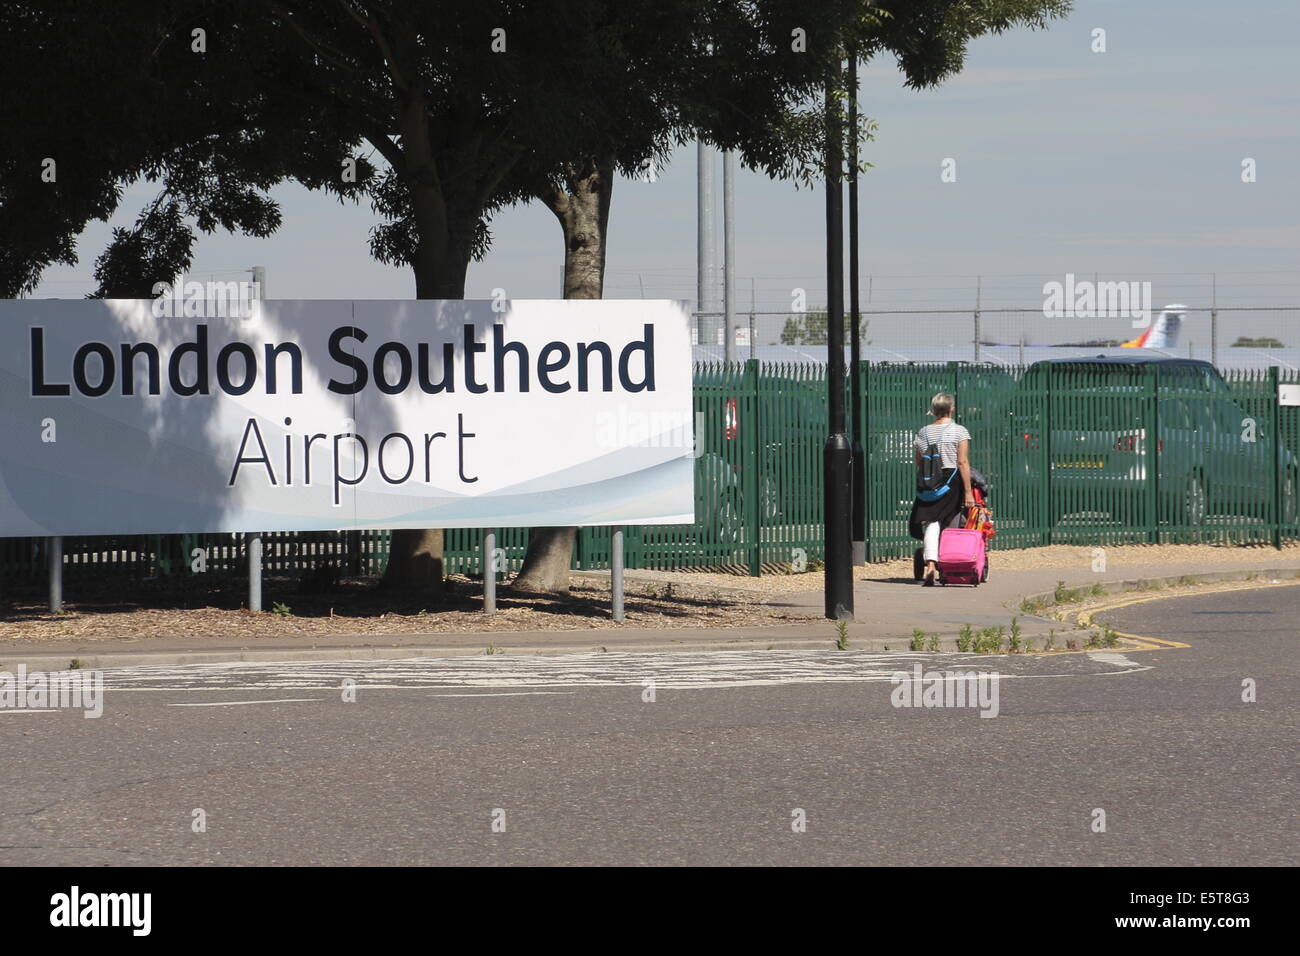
{"points": [[962, 559]]}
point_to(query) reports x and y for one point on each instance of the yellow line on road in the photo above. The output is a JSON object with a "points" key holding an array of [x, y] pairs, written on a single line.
{"points": [[1141, 642]]}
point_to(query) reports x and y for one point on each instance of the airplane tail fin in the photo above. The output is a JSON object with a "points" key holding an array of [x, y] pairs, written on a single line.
{"points": [[1163, 333]]}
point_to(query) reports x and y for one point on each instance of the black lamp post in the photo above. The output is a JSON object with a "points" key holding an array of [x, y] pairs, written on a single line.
{"points": [[855, 330], [837, 454]]}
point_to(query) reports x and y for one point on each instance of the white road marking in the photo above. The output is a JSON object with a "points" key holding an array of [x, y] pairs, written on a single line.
{"points": [[241, 703], [34, 710], [516, 693], [669, 671]]}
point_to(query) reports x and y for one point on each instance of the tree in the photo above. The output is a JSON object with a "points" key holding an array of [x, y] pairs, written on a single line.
{"points": [[810, 329], [471, 105], [1264, 342], [769, 116]]}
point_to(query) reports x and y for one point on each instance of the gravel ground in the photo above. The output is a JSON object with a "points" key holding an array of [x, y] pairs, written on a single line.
{"points": [[355, 608]]}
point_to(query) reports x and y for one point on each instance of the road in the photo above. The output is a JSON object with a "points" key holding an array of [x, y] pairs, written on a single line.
{"points": [[573, 764]]}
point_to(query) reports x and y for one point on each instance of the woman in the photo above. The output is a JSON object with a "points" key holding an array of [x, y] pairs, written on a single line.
{"points": [[934, 509]]}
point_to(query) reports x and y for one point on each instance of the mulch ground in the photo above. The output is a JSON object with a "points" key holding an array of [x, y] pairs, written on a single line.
{"points": [[193, 607]]}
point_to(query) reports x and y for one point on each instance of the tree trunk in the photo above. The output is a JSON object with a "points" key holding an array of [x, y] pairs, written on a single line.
{"points": [[442, 255], [582, 206]]}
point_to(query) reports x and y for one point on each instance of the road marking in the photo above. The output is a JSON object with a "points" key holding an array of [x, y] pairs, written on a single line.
{"points": [[477, 676], [515, 693], [34, 710], [242, 703], [1142, 642]]}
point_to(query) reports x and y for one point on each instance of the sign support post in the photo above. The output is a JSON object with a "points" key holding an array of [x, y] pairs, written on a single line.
{"points": [[616, 572], [254, 542], [487, 562], [56, 574]]}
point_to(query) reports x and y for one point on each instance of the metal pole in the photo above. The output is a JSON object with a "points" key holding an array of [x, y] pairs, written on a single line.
{"points": [[753, 332], [837, 453], [705, 265], [254, 541], [977, 319], [1214, 319], [488, 565], [259, 277], [616, 572], [855, 330], [729, 254], [55, 545]]}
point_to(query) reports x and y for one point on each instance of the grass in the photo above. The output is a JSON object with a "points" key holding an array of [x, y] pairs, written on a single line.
{"points": [[934, 642], [1015, 644], [842, 636], [918, 640]]}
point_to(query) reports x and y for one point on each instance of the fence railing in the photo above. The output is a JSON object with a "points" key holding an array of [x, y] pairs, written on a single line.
{"points": [[1075, 453]]}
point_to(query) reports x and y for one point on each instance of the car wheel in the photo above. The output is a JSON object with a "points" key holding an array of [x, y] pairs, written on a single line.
{"points": [[1195, 502]]}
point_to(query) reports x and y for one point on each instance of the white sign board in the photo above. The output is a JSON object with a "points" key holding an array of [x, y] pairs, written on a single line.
{"points": [[317, 415], [1288, 395]]}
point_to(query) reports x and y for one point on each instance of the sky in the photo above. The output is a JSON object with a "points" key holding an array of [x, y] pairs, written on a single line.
{"points": [[1119, 165]]}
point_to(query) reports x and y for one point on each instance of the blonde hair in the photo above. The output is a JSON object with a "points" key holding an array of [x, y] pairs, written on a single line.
{"points": [[942, 405]]}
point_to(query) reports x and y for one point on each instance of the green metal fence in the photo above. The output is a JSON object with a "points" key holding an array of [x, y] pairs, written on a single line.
{"points": [[1075, 453]]}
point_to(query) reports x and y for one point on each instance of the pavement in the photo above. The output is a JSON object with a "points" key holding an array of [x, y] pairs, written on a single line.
{"points": [[887, 611]]}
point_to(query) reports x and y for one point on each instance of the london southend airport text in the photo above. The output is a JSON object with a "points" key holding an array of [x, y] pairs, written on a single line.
{"points": [[95, 369]]}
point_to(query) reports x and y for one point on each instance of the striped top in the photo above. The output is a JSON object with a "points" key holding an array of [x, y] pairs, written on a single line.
{"points": [[948, 436]]}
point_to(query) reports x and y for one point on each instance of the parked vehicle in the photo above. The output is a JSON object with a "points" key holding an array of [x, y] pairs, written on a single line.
{"points": [[1211, 457]]}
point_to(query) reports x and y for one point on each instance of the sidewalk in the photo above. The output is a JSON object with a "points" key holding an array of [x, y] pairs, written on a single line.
{"points": [[888, 609]]}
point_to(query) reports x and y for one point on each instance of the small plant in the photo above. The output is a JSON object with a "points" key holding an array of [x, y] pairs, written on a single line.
{"points": [[934, 642], [842, 636], [493, 649], [280, 609], [918, 640], [989, 640], [1094, 639], [1109, 637], [1015, 644], [1071, 644], [816, 565], [1032, 606], [75, 665], [1051, 640], [1064, 595], [966, 639], [1097, 590], [1029, 645]]}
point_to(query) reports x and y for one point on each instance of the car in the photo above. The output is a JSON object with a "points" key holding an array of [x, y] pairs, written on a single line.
{"points": [[1211, 457]]}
